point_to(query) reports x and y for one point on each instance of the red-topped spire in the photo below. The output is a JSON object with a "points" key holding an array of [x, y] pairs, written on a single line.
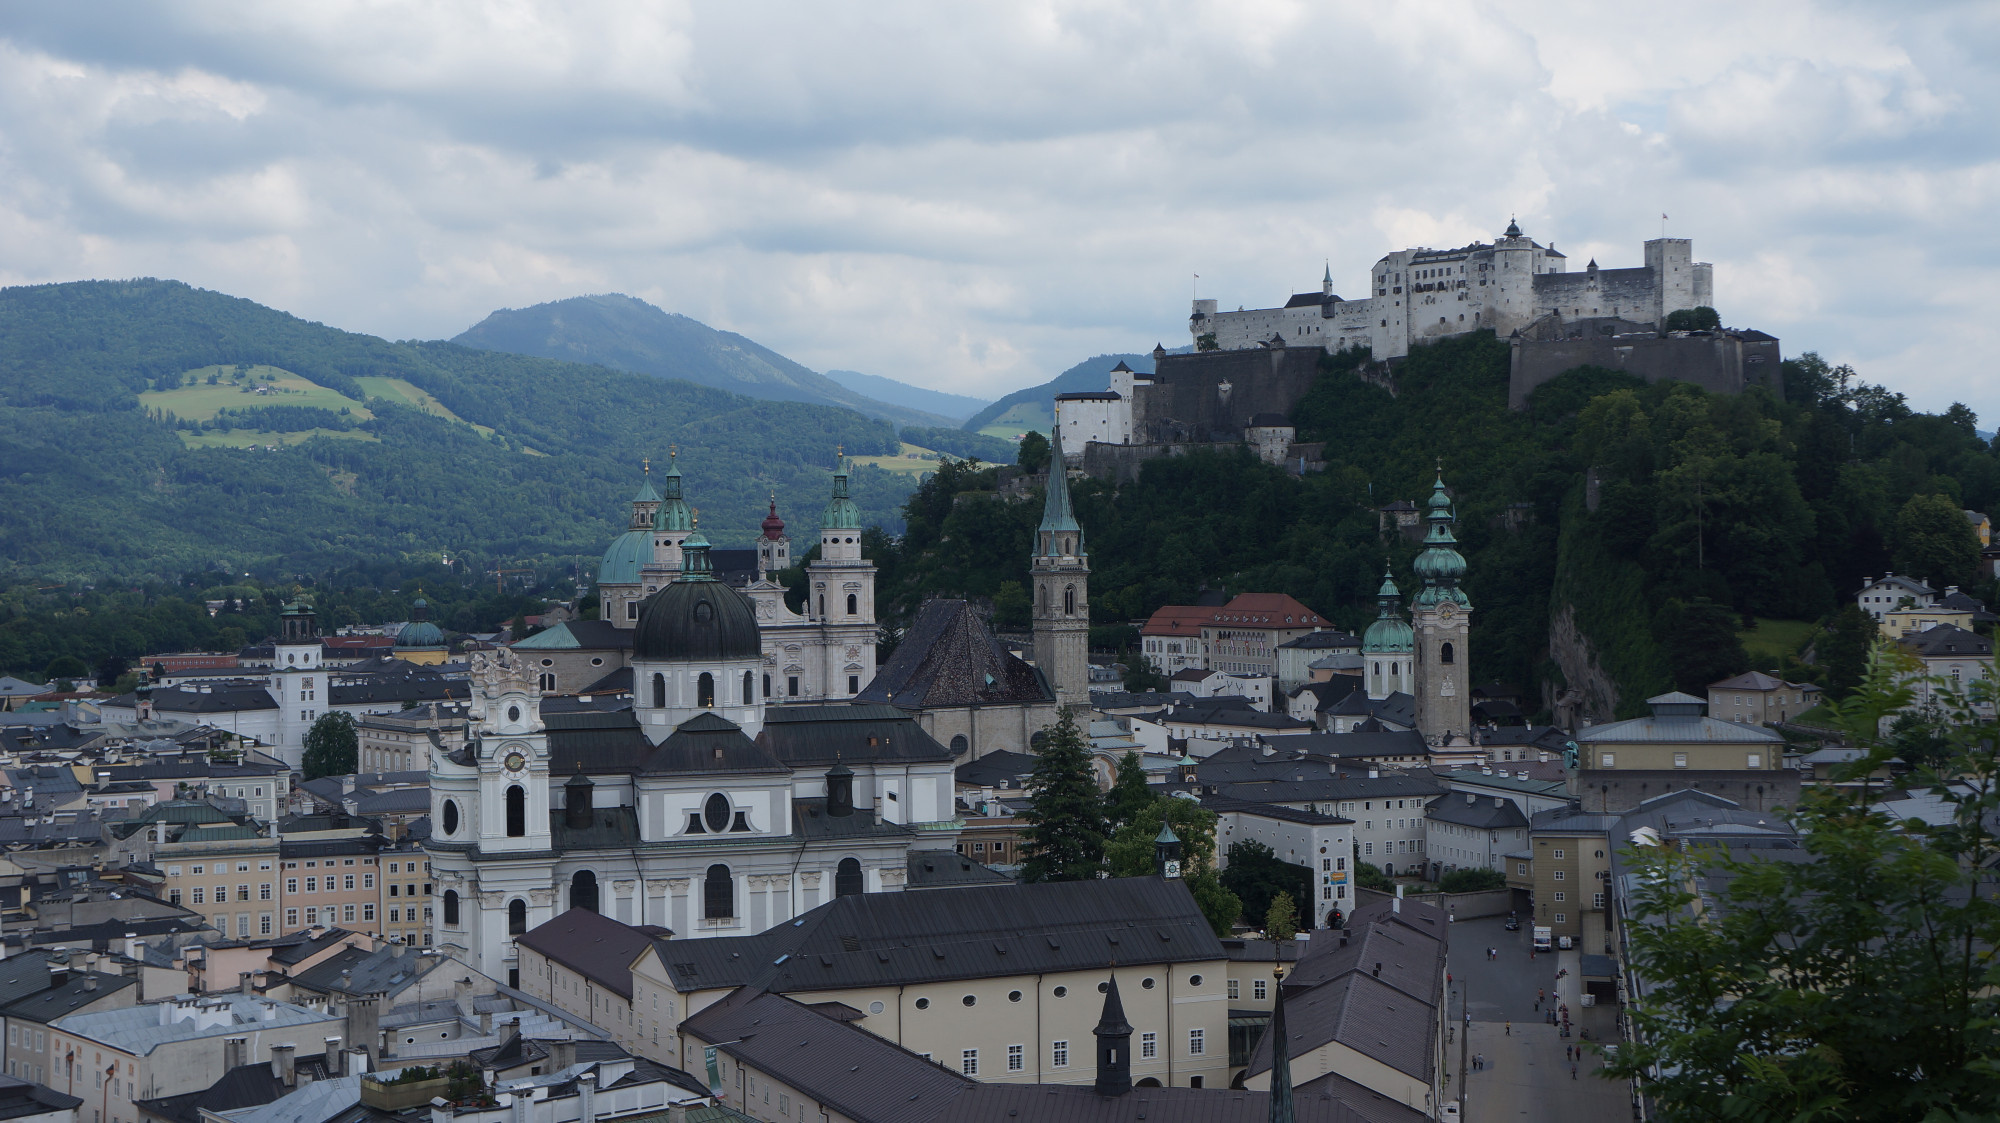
{"points": [[774, 527]]}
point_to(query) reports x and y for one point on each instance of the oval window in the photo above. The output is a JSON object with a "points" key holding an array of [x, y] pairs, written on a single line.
{"points": [[450, 816], [923, 1003], [1147, 983], [1013, 996], [513, 713], [704, 612], [1060, 992], [716, 812], [874, 1007], [970, 999], [1194, 980], [1102, 987]]}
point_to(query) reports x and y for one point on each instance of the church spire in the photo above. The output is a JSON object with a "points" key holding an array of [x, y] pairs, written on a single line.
{"points": [[1059, 534], [841, 513], [1281, 1060], [1441, 566], [1114, 1045], [673, 514]]}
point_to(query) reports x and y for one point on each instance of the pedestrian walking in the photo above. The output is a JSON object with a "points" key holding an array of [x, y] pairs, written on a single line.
{"points": [[1538, 1005], [1572, 1072], [1540, 994], [1510, 1029]]}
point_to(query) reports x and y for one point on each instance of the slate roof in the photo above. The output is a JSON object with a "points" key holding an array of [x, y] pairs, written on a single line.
{"points": [[246, 1085], [594, 946], [606, 743], [1270, 811], [1398, 708], [811, 736], [1353, 746], [1323, 640], [578, 635], [397, 801], [995, 769], [1379, 993], [358, 971], [1675, 729], [1235, 716], [948, 869], [1484, 813], [221, 698], [877, 939], [20, 1098], [617, 682], [1947, 640], [948, 659], [847, 1069]]}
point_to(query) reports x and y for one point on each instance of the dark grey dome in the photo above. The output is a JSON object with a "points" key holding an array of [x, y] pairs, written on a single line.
{"points": [[696, 622]]}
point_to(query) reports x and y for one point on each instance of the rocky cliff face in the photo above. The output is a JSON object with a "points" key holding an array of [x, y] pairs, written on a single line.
{"points": [[1593, 693]]}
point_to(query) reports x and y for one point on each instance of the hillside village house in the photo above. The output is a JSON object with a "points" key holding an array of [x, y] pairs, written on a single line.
{"points": [[1758, 698]]}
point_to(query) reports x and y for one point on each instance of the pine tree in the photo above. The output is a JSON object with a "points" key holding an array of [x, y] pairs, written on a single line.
{"points": [[1067, 827], [1128, 795]]}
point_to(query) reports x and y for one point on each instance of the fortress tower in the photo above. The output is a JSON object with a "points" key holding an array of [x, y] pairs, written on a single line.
{"points": [[1061, 572]]}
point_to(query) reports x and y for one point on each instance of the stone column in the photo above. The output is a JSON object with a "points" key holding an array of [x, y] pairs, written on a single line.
{"points": [[678, 915], [809, 881], [893, 877], [661, 913], [622, 896]]}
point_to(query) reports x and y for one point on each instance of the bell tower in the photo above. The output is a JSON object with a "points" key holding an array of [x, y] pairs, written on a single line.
{"points": [[1061, 572], [1441, 618], [840, 598]]}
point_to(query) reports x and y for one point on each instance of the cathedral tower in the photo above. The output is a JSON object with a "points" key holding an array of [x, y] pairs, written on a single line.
{"points": [[672, 522], [840, 591], [1441, 618], [1061, 572]]}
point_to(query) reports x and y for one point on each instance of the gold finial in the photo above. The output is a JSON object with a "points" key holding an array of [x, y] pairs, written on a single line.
{"points": [[840, 450], [695, 518], [673, 452], [648, 462]]}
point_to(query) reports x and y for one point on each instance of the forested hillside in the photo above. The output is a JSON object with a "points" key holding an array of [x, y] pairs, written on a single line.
{"points": [[483, 454], [1706, 514]]}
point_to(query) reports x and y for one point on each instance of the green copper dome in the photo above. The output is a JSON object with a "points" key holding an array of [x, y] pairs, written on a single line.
{"points": [[841, 513], [629, 551], [420, 632], [1390, 634]]}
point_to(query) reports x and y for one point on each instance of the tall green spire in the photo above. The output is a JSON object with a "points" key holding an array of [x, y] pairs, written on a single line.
{"points": [[841, 513], [1059, 534], [1441, 566], [674, 513]]}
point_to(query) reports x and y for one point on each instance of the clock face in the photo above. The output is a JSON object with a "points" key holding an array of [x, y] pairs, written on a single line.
{"points": [[1448, 610], [1173, 869], [515, 762]]}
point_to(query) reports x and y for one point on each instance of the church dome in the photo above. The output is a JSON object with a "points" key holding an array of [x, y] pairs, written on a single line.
{"points": [[696, 619], [628, 552], [1390, 634], [420, 632], [774, 527]]}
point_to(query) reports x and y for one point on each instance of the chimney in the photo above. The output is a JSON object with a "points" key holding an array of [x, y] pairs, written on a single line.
{"points": [[245, 983], [232, 1052], [364, 1022], [461, 993], [332, 1057], [282, 1065], [1397, 904], [357, 1062], [133, 948], [90, 982], [1470, 799], [586, 1098], [1378, 971], [160, 832]]}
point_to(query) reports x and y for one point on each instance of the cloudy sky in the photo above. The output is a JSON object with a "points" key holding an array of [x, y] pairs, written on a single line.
{"points": [[973, 197]]}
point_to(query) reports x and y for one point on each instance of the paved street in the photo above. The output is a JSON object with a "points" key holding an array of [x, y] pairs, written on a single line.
{"points": [[1526, 1073]]}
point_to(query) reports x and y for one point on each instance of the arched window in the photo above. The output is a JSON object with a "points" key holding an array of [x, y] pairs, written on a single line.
{"points": [[1040, 738], [1069, 600], [767, 686], [1444, 654], [517, 811], [548, 682], [718, 894], [749, 688], [959, 744], [451, 907], [705, 691], [583, 891], [847, 878], [659, 692], [1045, 599], [853, 605], [517, 916]]}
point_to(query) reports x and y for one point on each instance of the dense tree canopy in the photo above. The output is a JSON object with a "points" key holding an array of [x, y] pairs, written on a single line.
{"points": [[1067, 828], [332, 746]]}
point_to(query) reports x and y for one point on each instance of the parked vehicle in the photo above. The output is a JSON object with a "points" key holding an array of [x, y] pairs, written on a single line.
{"points": [[1543, 938]]}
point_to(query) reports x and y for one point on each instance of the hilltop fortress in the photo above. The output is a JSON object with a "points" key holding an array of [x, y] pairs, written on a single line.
{"points": [[1422, 294], [1251, 366]]}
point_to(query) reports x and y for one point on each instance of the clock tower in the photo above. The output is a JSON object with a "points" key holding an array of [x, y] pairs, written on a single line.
{"points": [[1441, 619]]}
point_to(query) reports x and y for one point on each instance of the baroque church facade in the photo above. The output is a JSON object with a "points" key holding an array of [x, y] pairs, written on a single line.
{"points": [[705, 809], [826, 653]]}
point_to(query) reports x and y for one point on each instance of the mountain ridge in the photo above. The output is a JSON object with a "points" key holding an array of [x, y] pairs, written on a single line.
{"points": [[622, 332]]}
